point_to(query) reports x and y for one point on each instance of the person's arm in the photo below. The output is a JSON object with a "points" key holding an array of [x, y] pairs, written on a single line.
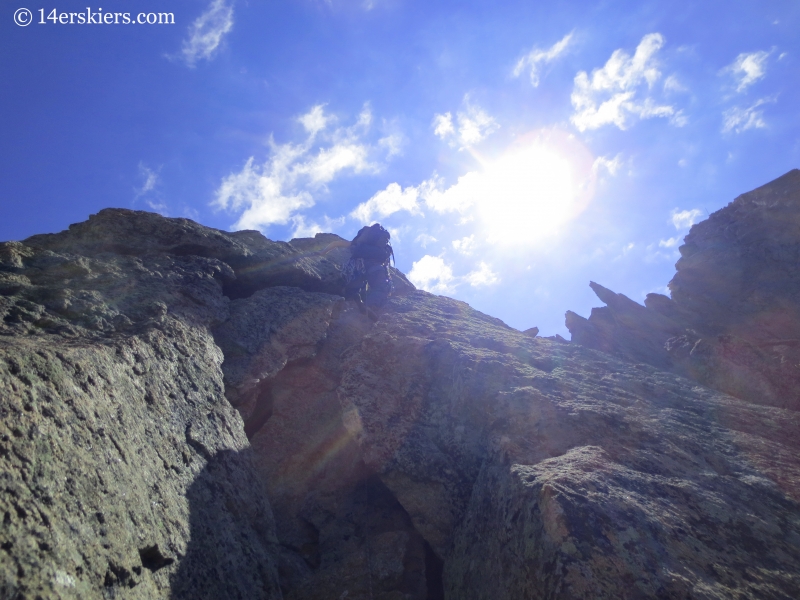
{"points": [[336, 244]]}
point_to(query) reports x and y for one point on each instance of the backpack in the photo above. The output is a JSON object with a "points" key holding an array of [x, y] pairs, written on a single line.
{"points": [[372, 242]]}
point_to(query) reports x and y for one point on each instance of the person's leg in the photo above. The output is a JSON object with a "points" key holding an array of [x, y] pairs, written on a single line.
{"points": [[352, 289], [379, 284], [354, 278]]}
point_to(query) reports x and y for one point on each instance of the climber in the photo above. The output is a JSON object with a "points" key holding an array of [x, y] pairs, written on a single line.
{"points": [[366, 275]]}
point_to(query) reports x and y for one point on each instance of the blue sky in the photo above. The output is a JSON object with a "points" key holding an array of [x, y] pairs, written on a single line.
{"points": [[515, 150]]}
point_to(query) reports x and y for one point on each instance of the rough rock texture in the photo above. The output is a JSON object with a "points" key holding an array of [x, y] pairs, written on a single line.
{"points": [[126, 471], [537, 469], [265, 332], [733, 322], [110, 443], [189, 413], [344, 533], [256, 261]]}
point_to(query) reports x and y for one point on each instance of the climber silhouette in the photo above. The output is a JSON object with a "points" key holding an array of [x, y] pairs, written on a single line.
{"points": [[367, 278]]}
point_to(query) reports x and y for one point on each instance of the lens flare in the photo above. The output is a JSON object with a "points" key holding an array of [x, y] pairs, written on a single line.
{"points": [[532, 190]]}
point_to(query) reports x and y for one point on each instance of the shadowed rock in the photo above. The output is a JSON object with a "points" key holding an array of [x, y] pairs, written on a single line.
{"points": [[733, 322], [256, 262], [228, 513]]}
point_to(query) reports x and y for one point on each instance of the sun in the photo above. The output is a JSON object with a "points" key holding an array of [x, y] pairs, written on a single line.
{"points": [[534, 188]]}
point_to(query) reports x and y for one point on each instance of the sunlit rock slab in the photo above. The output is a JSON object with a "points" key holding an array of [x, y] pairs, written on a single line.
{"points": [[542, 469], [125, 473]]}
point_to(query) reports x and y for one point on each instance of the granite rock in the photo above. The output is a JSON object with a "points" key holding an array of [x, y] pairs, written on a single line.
{"points": [[105, 446], [255, 261], [541, 469], [140, 352], [733, 321], [190, 413]]}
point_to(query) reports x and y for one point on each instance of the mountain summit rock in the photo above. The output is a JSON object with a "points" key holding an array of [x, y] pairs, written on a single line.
{"points": [[195, 414], [733, 322]]}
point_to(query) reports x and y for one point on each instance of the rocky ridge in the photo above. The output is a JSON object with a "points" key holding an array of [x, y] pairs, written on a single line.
{"points": [[733, 321], [191, 413]]}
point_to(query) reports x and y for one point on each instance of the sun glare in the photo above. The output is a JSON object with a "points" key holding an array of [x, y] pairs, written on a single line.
{"points": [[532, 190]]}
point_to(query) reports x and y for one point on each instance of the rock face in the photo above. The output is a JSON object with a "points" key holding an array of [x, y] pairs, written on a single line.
{"points": [[119, 450], [190, 413], [126, 471], [733, 322], [537, 469]]}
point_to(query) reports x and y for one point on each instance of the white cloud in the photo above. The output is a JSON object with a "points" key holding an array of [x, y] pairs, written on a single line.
{"points": [[149, 180], [397, 233], [207, 31], [423, 239], [483, 275], [612, 165], [271, 193], [364, 117], [443, 125], [678, 119], [388, 201], [624, 251], [738, 119], [474, 125], [159, 207], [536, 58], [522, 197], [315, 120], [673, 84], [303, 229], [653, 254], [748, 68], [322, 168], [393, 143], [458, 197], [465, 245], [684, 219], [260, 191], [432, 274], [532, 183], [609, 96]]}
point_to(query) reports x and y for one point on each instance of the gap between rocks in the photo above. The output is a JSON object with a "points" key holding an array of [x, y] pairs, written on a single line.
{"points": [[337, 523]]}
